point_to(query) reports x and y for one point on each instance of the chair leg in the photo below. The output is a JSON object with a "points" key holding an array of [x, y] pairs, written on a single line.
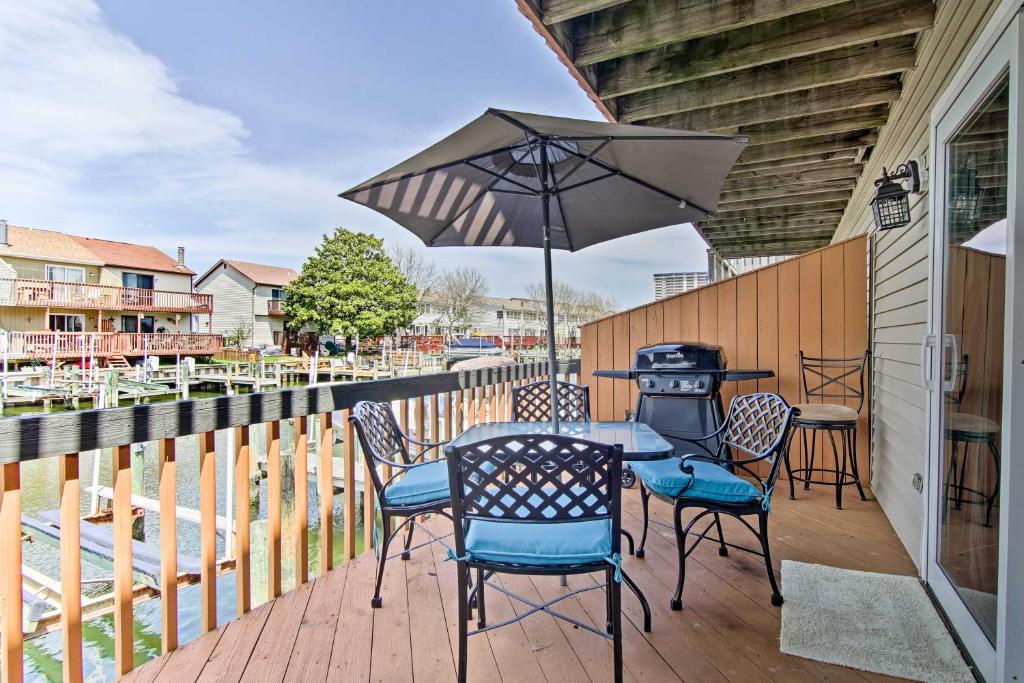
{"points": [[723, 550], [375, 602], [481, 611], [677, 600], [789, 472], [408, 540], [643, 601], [852, 436], [608, 625], [629, 541], [762, 518], [995, 490], [961, 477], [645, 496], [615, 589], [810, 457], [950, 477], [463, 572], [840, 469]]}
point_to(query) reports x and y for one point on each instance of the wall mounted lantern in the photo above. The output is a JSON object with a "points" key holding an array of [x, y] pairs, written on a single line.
{"points": [[891, 205]]}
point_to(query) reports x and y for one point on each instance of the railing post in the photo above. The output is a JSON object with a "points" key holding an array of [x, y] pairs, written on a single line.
{"points": [[124, 645], [274, 509], [168, 547], [208, 531], [349, 533], [460, 413], [435, 419], [325, 480], [242, 560], [70, 569], [301, 511], [421, 421], [10, 587]]}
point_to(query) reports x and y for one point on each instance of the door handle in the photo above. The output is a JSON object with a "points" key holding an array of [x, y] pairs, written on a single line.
{"points": [[927, 344], [949, 341]]}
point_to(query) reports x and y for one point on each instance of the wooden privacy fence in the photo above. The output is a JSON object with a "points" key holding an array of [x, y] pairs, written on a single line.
{"points": [[816, 302], [435, 406]]}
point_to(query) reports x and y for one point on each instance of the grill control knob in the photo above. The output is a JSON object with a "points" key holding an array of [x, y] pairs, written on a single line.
{"points": [[674, 384], [648, 382], [699, 385]]}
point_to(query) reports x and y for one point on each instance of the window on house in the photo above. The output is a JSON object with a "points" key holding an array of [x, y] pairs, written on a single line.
{"points": [[130, 323], [65, 274], [137, 280], [67, 323], [278, 294]]}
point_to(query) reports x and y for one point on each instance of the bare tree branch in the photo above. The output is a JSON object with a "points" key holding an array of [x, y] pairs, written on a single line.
{"points": [[458, 295]]}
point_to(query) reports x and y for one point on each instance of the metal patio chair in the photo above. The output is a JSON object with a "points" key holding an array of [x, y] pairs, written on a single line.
{"points": [[412, 487], [757, 429], [532, 402], [841, 380], [962, 430], [536, 505]]}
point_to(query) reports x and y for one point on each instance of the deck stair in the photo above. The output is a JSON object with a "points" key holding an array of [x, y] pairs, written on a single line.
{"points": [[118, 361]]}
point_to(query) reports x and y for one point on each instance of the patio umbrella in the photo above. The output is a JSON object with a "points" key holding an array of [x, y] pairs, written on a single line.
{"points": [[511, 179]]}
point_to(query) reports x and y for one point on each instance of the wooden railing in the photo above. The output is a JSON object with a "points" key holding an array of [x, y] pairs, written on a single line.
{"points": [[275, 307], [434, 407], [47, 293], [65, 345]]}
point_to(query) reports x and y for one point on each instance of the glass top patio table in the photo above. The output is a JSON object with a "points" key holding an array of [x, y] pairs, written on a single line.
{"points": [[639, 442]]}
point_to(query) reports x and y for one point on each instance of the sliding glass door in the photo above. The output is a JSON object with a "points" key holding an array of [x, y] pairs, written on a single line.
{"points": [[969, 362]]}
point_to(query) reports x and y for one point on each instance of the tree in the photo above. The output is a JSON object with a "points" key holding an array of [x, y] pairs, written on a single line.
{"points": [[458, 295], [239, 333], [572, 306], [350, 287], [420, 272]]}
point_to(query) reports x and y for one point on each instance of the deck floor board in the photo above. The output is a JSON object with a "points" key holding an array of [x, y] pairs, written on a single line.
{"points": [[727, 631]]}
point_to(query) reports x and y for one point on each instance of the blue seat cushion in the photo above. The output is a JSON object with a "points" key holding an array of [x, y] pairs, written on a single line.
{"points": [[711, 482], [425, 483], [540, 543]]}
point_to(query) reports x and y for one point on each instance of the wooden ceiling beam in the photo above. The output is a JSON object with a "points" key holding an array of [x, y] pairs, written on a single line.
{"points": [[556, 11], [812, 164], [778, 238], [821, 145], [793, 36], [801, 176], [639, 26], [840, 156], [778, 213], [820, 220], [814, 125], [781, 190], [798, 199], [830, 98], [795, 233], [857, 62], [778, 248]]}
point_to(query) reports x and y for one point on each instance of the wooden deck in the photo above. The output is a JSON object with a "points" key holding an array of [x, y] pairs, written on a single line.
{"points": [[727, 631]]}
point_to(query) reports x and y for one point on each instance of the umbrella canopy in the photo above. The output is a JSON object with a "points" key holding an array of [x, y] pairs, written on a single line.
{"points": [[510, 179]]}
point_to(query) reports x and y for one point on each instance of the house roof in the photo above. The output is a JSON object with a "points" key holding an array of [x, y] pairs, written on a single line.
{"points": [[34, 243], [126, 255], [260, 273]]}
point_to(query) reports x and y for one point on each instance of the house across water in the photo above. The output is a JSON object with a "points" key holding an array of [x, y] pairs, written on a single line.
{"points": [[65, 296]]}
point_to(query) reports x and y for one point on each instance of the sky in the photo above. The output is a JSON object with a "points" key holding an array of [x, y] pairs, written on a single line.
{"points": [[230, 127]]}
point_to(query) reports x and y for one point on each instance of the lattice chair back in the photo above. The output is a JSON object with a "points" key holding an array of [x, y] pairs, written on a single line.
{"points": [[532, 402], [534, 479], [758, 426], [834, 379], [380, 437]]}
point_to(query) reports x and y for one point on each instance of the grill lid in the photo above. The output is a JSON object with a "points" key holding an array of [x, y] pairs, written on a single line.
{"points": [[680, 356]]}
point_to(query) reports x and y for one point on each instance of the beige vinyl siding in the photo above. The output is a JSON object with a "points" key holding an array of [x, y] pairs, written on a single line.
{"points": [[35, 269], [899, 263], [232, 299], [168, 282]]}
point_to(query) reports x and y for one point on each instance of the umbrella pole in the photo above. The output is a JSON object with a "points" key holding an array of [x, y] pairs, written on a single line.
{"points": [[545, 199]]}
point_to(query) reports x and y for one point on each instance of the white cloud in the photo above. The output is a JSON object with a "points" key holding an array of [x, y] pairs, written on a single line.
{"points": [[98, 138]]}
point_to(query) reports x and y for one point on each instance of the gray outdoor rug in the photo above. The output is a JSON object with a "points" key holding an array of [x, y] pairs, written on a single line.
{"points": [[873, 622]]}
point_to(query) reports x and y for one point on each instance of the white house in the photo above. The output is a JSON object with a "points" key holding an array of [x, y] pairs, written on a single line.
{"points": [[248, 294]]}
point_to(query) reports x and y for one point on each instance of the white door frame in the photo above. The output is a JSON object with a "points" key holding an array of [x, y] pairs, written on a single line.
{"points": [[998, 48]]}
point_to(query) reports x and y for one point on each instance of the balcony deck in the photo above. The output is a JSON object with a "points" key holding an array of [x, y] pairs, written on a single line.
{"points": [[728, 631]]}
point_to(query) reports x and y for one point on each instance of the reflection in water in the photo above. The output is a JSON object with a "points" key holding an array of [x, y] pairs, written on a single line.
{"points": [[975, 275], [40, 493]]}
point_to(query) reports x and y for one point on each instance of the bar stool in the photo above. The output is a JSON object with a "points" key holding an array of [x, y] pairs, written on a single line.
{"points": [[829, 378], [964, 429]]}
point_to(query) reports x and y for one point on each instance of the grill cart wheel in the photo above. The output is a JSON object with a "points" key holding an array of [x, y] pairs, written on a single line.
{"points": [[628, 477]]}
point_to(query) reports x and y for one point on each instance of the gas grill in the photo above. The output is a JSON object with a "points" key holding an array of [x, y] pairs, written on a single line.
{"points": [[680, 391]]}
